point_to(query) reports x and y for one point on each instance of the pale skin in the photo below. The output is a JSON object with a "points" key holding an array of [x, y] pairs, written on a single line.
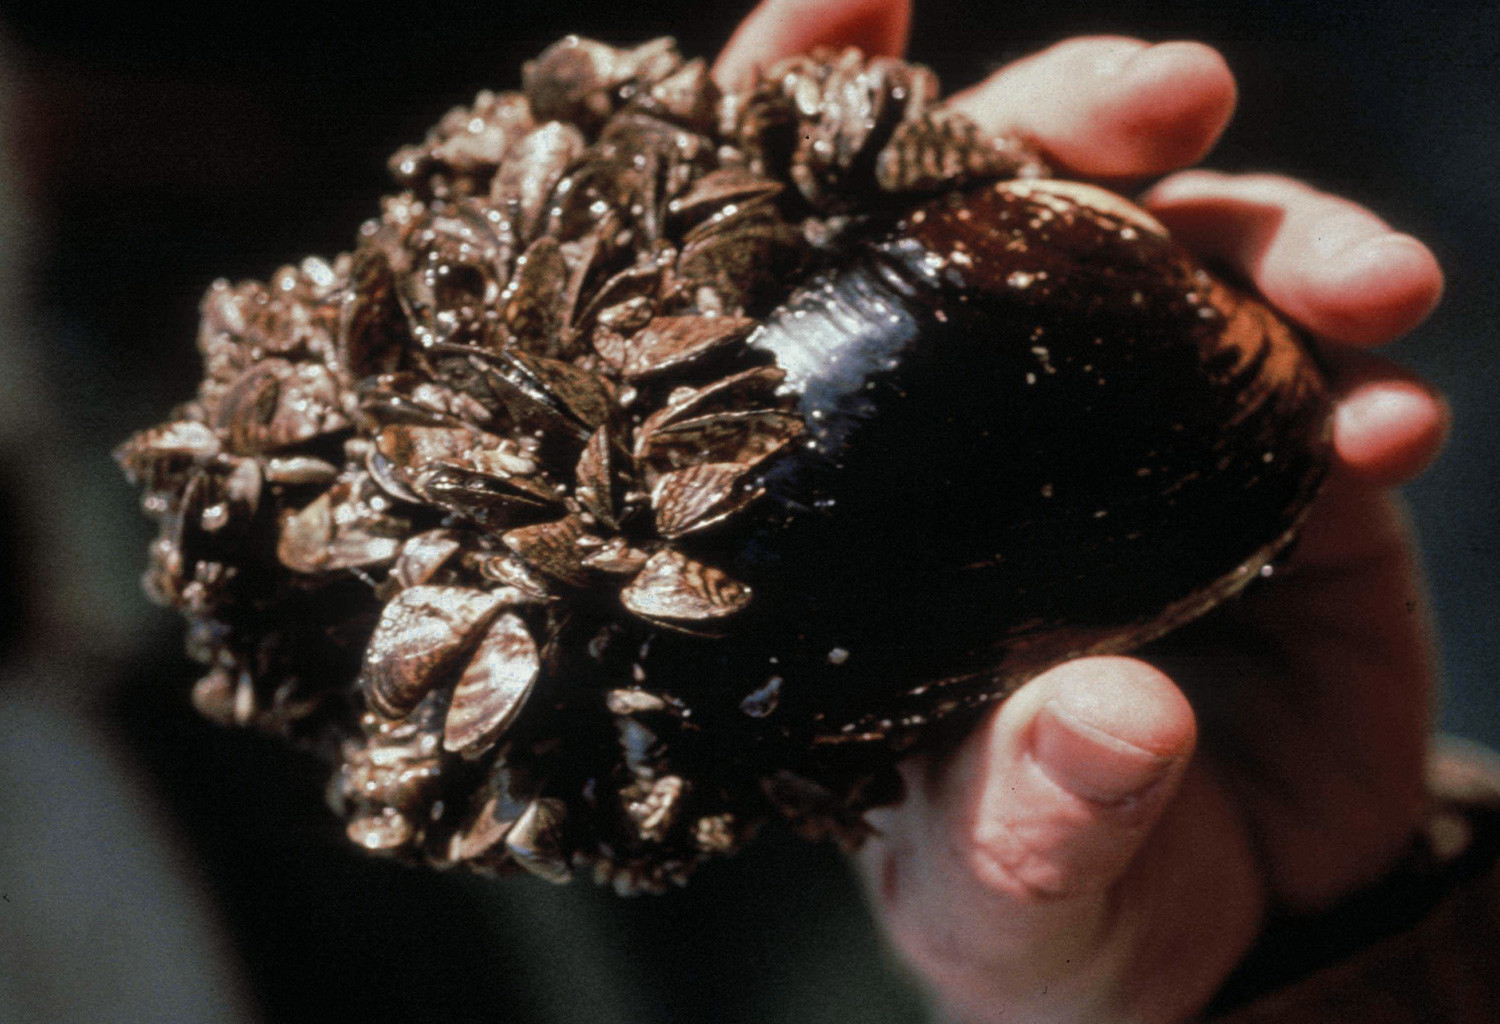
{"points": [[1107, 844]]}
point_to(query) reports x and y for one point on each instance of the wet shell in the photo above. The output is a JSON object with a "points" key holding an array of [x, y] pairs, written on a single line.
{"points": [[674, 588], [421, 634], [493, 687], [664, 463], [1036, 428]]}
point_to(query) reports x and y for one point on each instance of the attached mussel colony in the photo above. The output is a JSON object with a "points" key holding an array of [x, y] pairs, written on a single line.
{"points": [[662, 462]]}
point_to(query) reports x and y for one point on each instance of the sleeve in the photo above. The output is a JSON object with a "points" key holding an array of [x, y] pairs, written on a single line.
{"points": [[1421, 946]]}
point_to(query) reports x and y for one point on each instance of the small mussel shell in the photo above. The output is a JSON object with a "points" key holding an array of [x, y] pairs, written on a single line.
{"points": [[493, 688], [1036, 427], [534, 841], [421, 635]]}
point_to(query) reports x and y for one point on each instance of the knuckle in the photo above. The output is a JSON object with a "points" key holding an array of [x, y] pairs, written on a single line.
{"points": [[1021, 871]]}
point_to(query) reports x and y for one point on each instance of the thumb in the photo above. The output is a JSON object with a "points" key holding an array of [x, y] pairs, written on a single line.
{"points": [[994, 873], [1056, 797]]}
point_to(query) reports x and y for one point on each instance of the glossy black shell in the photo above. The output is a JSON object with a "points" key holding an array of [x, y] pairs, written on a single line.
{"points": [[1037, 428]]}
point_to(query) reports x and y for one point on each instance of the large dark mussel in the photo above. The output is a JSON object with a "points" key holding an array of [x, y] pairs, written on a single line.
{"points": [[1036, 428]]}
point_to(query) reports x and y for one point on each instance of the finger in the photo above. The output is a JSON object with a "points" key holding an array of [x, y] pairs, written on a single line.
{"points": [[998, 865], [1388, 425], [1108, 106], [1325, 755], [782, 28], [1073, 776], [1329, 264], [1011, 878]]}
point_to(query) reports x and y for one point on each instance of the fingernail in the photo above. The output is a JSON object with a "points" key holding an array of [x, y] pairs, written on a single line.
{"points": [[1147, 62], [1115, 60], [1372, 408], [1090, 763], [1399, 262], [1340, 237]]}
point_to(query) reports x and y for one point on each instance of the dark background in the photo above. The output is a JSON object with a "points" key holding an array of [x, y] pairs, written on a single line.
{"points": [[156, 150]]}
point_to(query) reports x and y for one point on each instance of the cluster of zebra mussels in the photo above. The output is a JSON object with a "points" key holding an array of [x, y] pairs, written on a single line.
{"points": [[662, 462]]}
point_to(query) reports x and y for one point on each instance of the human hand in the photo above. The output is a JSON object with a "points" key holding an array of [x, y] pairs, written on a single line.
{"points": [[1108, 842]]}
